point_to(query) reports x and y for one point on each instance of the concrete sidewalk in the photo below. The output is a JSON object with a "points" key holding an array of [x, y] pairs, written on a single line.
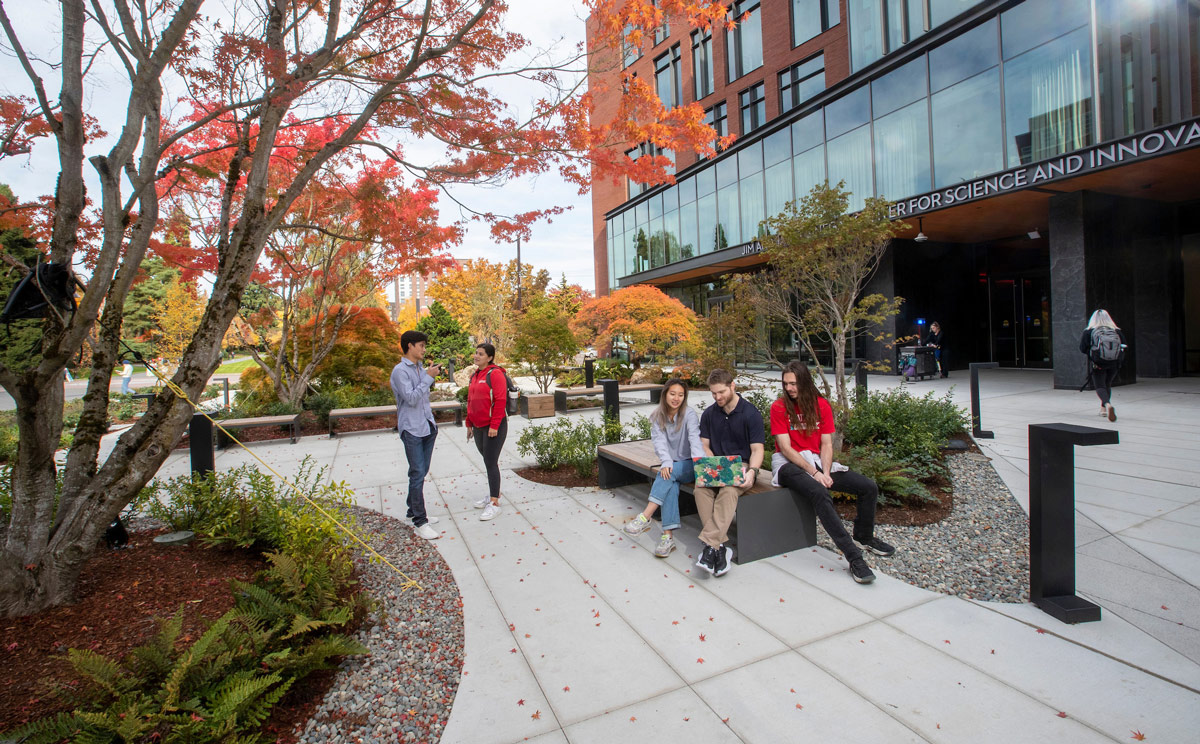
{"points": [[576, 633]]}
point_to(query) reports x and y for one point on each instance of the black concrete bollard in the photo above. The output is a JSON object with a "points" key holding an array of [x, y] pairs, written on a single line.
{"points": [[1052, 518], [860, 380], [612, 405], [450, 369], [976, 431], [200, 443], [589, 372]]}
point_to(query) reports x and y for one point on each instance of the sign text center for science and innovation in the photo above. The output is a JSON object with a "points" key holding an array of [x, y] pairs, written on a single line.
{"points": [[1137, 147]]}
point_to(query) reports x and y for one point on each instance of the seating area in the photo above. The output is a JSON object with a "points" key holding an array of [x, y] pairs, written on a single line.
{"points": [[770, 521], [290, 420], [560, 396], [341, 413]]}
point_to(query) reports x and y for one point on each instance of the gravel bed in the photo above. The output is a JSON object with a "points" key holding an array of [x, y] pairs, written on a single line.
{"points": [[981, 551], [403, 690]]}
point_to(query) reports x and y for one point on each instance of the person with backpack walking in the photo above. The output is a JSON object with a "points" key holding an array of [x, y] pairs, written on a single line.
{"points": [[487, 421], [1104, 344]]}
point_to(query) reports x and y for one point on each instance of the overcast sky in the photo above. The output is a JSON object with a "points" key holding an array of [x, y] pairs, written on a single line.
{"points": [[563, 246]]}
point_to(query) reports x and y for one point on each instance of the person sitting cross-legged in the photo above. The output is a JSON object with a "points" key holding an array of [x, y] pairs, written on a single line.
{"points": [[802, 424], [675, 432], [732, 427]]}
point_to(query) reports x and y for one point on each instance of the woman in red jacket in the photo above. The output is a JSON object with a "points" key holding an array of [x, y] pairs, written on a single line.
{"points": [[487, 393]]}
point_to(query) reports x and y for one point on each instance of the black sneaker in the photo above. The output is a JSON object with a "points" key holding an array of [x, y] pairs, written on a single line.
{"points": [[707, 559], [723, 557], [860, 571], [877, 546]]}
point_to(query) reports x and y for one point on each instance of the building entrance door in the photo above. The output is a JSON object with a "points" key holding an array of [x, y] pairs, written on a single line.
{"points": [[1019, 322]]}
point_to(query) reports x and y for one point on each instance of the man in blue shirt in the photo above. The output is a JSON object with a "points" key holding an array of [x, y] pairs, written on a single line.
{"points": [[732, 427], [414, 421]]}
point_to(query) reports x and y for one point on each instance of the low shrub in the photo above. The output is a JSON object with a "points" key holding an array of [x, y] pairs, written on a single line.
{"points": [[613, 369], [570, 378], [905, 426], [568, 442], [899, 481]]}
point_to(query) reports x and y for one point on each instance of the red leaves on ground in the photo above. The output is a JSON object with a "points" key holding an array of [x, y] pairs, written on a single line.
{"points": [[700, 660], [633, 719], [799, 706], [566, 688], [537, 714], [702, 638], [1137, 735], [521, 701], [1061, 714]]}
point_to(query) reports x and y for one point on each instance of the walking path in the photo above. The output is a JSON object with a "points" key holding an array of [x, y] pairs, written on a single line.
{"points": [[576, 633]]}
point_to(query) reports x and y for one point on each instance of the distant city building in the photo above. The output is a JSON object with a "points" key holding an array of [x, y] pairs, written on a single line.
{"points": [[1048, 149], [409, 287]]}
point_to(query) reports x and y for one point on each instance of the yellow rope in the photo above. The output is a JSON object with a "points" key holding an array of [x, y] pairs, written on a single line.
{"points": [[409, 582]]}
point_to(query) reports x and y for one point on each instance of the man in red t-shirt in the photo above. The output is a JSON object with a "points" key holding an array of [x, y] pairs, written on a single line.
{"points": [[802, 424]]}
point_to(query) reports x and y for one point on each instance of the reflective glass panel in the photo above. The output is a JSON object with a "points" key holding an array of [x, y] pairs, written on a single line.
{"points": [[941, 11], [1032, 23], [866, 22], [809, 170], [753, 208], [706, 223], [687, 190], [727, 171], [612, 268], [962, 57], [637, 252], [778, 187], [688, 237], [670, 199], [750, 159], [899, 87], [850, 161], [658, 253], [656, 206], [902, 152], [706, 181], [777, 147], [967, 140], [808, 132], [641, 215], [729, 229], [849, 111], [1048, 99], [671, 235]]}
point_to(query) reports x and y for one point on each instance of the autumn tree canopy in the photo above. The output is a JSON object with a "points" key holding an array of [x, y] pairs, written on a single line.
{"points": [[642, 317]]}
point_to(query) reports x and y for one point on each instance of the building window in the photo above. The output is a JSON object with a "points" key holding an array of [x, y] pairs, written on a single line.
{"points": [[801, 82], [717, 118], [879, 27], [702, 62], [662, 32], [642, 150], [743, 42], [630, 51], [1048, 99], [667, 79], [753, 102], [812, 17]]}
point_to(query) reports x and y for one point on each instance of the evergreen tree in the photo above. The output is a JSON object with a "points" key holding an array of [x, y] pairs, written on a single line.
{"points": [[144, 303], [447, 339]]}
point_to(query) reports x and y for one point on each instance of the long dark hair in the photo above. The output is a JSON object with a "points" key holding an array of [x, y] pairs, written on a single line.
{"points": [[662, 415], [802, 412]]}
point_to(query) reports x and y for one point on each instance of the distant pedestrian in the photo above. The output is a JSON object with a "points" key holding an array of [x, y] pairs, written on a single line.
{"points": [[1104, 344], [414, 420], [126, 377], [934, 339], [487, 421]]}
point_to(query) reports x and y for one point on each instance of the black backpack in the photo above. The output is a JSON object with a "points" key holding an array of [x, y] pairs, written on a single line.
{"points": [[1106, 345], [512, 405]]}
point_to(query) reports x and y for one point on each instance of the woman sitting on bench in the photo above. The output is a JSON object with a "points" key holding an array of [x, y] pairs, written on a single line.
{"points": [[675, 432]]}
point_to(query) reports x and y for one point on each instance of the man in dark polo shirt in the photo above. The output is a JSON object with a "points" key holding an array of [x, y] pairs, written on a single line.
{"points": [[732, 427]]}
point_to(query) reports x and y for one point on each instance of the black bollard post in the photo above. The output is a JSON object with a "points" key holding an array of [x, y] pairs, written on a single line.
{"points": [[589, 372], [1052, 518], [200, 442], [612, 405], [860, 380], [226, 381], [450, 369], [976, 431]]}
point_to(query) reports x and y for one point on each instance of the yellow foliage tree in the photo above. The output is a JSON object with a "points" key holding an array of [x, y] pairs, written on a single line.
{"points": [[178, 319], [643, 317]]}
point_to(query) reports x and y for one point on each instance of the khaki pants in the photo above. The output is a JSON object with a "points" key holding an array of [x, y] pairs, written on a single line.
{"points": [[716, 510]]}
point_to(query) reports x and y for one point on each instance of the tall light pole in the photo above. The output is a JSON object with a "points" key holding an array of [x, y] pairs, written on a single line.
{"points": [[518, 273]]}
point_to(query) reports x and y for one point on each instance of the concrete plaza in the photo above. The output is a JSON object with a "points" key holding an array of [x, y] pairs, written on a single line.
{"points": [[576, 633]]}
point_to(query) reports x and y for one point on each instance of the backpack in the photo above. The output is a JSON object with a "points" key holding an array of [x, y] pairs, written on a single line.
{"points": [[512, 406], [1106, 345]]}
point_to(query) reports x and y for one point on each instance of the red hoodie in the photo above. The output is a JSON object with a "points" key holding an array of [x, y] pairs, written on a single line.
{"points": [[485, 404]]}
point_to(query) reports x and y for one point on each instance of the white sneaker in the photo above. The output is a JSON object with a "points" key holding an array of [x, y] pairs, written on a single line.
{"points": [[482, 502], [429, 520], [427, 532], [489, 512]]}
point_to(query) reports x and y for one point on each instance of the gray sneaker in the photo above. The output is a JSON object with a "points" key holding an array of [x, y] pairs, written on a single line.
{"points": [[637, 525], [665, 545]]}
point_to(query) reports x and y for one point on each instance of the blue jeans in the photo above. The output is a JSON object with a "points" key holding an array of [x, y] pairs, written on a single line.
{"points": [[665, 492], [419, 451], [125, 385]]}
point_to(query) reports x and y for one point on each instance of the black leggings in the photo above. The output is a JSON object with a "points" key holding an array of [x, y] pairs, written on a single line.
{"points": [[863, 488], [490, 447], [1102, 378]]}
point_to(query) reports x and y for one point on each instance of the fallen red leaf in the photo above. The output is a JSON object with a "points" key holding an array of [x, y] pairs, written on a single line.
{"points": [[792, 690], [946, 642], [1138, 735], [1061, 714], [1043, 632], [632, 719], [567, 688], [1165, 607], [536, 715], [521, 701], [528, 636], [799, 706], [512, 650], [674, 622], [702, 638], [699, 661]]}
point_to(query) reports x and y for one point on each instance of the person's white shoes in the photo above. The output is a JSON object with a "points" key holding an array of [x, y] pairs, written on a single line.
{"points": [[489, 512], [482, 502], [430, 520], [427, 532]]}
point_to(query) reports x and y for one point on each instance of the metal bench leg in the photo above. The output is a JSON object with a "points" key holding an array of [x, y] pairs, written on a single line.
{"points": [[560, 401], [773, 523], [613, 474], [655, 395], [332, 433], [458, 416]]}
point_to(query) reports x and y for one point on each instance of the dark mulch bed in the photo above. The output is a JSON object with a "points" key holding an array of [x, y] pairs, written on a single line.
{"points": [[564, 476], [121, 593]]}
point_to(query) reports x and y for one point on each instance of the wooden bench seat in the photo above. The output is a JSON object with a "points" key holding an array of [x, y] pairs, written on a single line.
{"points": [[769, 521], [291, 420], [341, 413], [561, 395]]}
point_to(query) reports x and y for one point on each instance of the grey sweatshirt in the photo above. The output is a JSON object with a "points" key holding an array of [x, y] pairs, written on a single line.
{"points": [[674, 443]]}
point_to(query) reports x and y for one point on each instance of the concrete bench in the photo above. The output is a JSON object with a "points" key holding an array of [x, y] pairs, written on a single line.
{"points": [[291, 420], [560, 396], [341, 413], [769, 521]]}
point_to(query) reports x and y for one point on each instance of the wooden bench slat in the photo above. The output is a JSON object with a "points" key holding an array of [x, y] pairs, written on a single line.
{"points": [[244, 423], [365, 411]]}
